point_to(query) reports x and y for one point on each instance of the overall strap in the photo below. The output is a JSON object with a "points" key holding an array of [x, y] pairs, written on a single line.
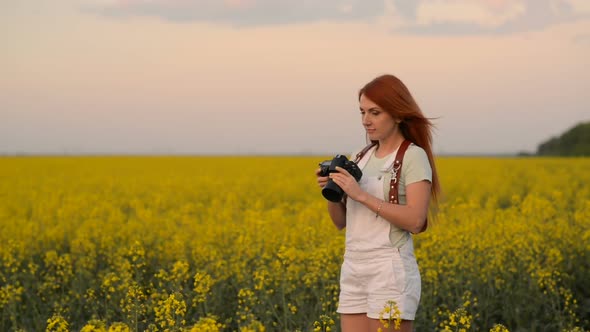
{"points": [[396, 173]]}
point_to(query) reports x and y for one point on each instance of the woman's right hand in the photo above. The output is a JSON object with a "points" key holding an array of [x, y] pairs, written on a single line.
{"points": [[322, 180]]}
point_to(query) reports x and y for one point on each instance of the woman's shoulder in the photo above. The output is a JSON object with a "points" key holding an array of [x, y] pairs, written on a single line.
{"points": [[416, 157], [416, 165], [416, 152]]}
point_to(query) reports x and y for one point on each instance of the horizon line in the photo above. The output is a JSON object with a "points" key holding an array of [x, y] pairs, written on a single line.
{"points": [[233, 154]]}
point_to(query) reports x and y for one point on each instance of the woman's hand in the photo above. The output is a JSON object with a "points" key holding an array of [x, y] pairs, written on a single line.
{"points": [[322, 180], [348, 183]]}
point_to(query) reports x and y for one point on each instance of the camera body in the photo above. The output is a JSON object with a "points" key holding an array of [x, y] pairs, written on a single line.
{"points": [[332, 191]]}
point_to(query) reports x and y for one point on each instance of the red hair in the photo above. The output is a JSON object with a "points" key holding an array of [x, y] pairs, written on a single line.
{"points": [[392, 95]]}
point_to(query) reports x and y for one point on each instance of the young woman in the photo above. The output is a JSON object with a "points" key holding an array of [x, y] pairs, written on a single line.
{"points": [[379, 263]]}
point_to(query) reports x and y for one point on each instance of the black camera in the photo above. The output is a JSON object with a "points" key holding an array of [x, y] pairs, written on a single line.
{"points": [[332, 191]]}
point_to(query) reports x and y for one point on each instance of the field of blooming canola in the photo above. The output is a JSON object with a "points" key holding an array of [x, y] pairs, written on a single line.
{"points": [[245, 244]]}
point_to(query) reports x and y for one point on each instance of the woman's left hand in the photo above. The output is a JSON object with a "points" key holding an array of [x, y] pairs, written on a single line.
{"points": [[348, 183]]}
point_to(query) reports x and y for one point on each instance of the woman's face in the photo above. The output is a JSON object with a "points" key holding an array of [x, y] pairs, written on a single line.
{"points": [[379, 124]]}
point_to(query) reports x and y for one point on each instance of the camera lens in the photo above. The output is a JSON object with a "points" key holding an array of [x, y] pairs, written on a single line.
{"points": [[332, 192]]}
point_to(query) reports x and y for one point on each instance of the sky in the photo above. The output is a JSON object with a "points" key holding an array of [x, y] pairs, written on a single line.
{"points": [[282, 76]]}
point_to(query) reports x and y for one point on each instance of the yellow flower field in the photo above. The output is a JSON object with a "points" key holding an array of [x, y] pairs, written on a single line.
{"points": [[245, 244]]}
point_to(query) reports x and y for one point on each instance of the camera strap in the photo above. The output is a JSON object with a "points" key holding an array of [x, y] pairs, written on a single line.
{"points": [[358, 158], [363, 152]]}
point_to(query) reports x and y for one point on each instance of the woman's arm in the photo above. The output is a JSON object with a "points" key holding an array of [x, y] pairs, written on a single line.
{"points": [[337, 210], [410, 217]]}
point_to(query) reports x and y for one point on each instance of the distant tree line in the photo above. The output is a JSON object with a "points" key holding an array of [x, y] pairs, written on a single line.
{"points": [[574, 142]]}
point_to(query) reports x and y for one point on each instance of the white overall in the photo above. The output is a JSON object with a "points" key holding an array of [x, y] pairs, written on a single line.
{"points": [[374, 271]]}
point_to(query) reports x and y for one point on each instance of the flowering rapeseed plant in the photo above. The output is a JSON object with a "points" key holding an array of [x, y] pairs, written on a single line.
{"points": [[245, 243]]}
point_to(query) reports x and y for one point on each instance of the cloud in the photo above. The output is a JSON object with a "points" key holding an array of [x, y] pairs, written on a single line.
{"points": [[241, 12], [451, 17], [430, 17], [468, 12]]}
